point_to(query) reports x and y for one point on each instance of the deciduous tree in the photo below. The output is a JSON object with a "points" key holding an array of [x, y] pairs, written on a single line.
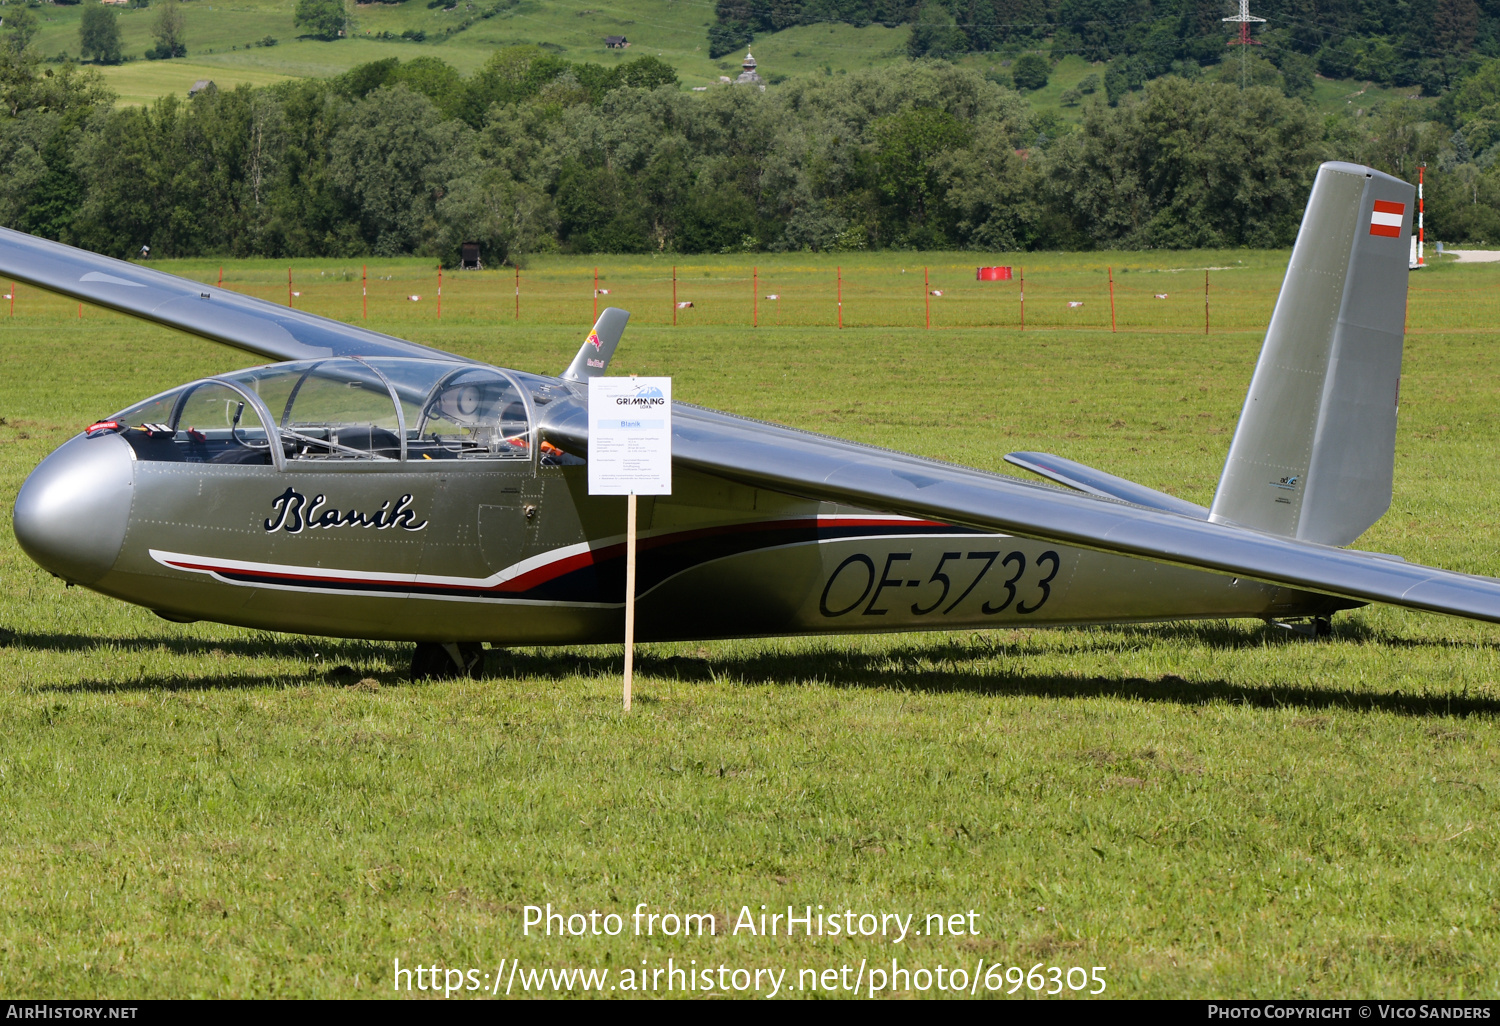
{"points": [[99, 34], [167, 28], [322, 19]]}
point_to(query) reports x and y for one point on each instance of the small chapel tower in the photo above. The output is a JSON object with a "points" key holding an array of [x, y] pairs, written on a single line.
{"points": [[749, 76]]}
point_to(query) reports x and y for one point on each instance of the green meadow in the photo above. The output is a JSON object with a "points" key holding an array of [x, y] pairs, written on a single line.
{"points": [[225, 40], [1202, 809]]}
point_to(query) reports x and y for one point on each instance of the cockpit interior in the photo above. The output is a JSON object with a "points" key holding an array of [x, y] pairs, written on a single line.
{"points": [[342, 409]]}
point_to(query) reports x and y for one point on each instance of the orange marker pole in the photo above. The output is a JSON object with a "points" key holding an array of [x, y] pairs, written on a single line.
{"points": [[80, 311], [674, 295], [596, 293], [221, 276], [840, 272], [1022, 276], [927, 297], [518, 292], [1205, 302], [755, 297], [440, 291], [12, 299], [1111, 299], [288, 286]]}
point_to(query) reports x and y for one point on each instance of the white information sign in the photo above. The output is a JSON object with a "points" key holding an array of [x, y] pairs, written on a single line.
{"points": [[630, 436]]}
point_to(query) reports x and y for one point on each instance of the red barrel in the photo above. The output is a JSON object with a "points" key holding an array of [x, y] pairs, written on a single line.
{"points": [[992, 274]]}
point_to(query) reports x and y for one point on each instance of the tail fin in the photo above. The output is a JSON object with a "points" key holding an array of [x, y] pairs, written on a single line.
{"points": [[1315, 449], [599, 347]]}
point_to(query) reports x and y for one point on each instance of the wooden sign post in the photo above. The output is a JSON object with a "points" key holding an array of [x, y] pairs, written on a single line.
{"points": [[630, 454]]}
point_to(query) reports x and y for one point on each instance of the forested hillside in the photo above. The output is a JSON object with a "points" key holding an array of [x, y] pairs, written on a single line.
{"points": [[1416, 42], [534, 153]]}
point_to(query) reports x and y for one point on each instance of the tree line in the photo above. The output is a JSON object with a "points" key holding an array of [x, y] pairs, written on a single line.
{"points": [[534, 154]]}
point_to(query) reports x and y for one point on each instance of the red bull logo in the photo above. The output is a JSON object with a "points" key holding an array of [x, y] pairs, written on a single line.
{"points": [[593, 340]]}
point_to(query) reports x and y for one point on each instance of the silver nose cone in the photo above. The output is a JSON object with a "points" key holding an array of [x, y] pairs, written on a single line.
{"points": [[72, 512]]}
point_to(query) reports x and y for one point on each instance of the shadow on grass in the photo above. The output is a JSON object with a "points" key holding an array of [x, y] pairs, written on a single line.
{"points": [[1231, 635], [261, 646], [1224, 635], [341, 678], [935, 667], [904, 670]]}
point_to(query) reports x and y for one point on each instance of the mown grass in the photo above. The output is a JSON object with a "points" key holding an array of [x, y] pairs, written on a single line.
{"points": [[1206, 809], [1159, 291]]}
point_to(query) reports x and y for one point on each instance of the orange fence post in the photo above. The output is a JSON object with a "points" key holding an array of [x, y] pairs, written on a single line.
{"points": [[288, 286], [1205, 302], [221, 276], [1111, 299], [840, 272], [754, 297], [80, 311]]}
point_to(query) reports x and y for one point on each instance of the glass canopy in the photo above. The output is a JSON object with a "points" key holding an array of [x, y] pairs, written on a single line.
{"points": [[341, 409]]}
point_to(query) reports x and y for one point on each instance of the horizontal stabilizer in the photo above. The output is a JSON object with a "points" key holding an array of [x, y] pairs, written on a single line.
{"points": [[1097, 482], [597, 350]]}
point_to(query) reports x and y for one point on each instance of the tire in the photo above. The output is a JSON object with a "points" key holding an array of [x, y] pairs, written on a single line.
{"points": [[433, 661]]}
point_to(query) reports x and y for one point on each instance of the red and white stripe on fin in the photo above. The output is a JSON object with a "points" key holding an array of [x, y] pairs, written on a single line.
{"points": [[1386, 218]]}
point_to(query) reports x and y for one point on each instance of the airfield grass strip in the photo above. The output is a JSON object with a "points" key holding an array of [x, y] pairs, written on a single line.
{"points": [[1208, 808]]}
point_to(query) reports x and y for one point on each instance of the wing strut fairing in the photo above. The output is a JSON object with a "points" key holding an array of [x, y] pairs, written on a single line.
{"points": [[220, 315]]}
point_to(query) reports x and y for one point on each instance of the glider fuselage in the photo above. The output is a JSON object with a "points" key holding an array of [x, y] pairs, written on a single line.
{"points": [[514, 551]]}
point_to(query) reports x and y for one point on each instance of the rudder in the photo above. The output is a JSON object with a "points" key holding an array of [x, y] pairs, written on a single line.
{"points": [[1314, 453]]}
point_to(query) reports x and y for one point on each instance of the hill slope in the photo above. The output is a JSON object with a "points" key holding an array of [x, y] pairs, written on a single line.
{"points": [[225, 44]]}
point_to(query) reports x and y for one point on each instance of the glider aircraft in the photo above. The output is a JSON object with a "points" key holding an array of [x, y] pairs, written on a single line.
{"points": [[369, 487]]}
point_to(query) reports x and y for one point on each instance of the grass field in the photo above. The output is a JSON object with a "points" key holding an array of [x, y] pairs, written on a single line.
{"points": [[1160, 291], [1205, 809], [223, 38]]}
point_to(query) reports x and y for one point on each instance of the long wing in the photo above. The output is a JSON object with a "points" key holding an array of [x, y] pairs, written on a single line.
{"points": [[254, 325], [818, 467]]}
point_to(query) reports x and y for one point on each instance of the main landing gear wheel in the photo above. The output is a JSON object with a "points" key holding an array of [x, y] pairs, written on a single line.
{"points": [[1315, 627], [433, 661]]}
